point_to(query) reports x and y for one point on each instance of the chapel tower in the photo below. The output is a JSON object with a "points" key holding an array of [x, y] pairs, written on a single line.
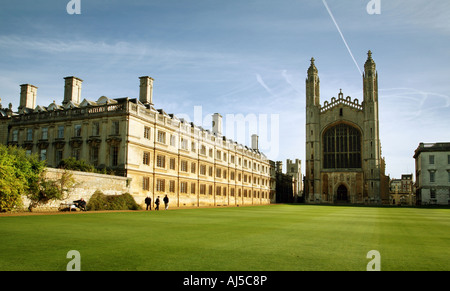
{"points": [[343, 152]]}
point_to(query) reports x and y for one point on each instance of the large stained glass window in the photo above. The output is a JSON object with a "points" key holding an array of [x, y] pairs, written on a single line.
{"points": [[342, 147]]}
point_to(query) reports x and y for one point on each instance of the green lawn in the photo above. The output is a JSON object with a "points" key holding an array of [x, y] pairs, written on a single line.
{"points": [[275, 237]]}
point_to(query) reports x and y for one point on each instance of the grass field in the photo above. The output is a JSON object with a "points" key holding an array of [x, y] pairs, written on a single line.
{"points": [[262, 238]]}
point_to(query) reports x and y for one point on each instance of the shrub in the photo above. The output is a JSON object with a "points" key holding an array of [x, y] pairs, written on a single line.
{"points": [[76, 165], [100, 201]]}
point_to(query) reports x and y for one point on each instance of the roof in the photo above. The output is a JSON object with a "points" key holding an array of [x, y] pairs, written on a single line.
{"points": [[432, 147]]}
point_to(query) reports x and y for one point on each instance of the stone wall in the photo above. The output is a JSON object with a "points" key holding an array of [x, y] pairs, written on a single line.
{"points": [[85, 185]]}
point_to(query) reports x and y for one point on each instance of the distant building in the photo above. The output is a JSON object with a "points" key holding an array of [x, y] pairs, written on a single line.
{"points": [[433, 173], [294, 169], [343, 150], [402, 191], [160, 153]]}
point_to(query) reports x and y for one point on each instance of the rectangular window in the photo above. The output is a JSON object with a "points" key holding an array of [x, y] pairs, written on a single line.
{"points": [[193, 168], [77, 130], [94, 155], [183, 187], [431, 159], [432, 176], [96, 129], [58, 156], [210, 189], [192, 188], [218, 173], [43, 155], [115, 130], [183, 166], [184, 145], [203, 189], [210, 171], [172, 163], [433, 193], [203, 150], [193, 147], [146, 183], [29, 134], [15, 135], [172, 186], [146, 158], [160, 185], [173, 140], [114, 156], [146, 132], [202, 170], [161, 137], [160, 161], [44, 133], [61, 131]]}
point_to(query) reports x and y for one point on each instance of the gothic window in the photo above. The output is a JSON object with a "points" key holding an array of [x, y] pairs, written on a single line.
{"points": [[342, 147]]}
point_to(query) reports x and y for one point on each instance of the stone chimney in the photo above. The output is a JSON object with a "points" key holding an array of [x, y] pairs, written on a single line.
{"points": [[72, 90], [146, 90], [28, 96], [255, 142], [217, 124]]}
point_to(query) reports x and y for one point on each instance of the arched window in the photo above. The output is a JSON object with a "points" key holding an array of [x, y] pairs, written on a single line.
{"points": [[342, 147]]}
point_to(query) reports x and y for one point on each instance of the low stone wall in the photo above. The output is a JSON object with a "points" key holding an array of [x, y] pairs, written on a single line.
{"points": [[85, 185]]}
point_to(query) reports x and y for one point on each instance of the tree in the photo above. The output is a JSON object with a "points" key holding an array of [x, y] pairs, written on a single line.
{"points": [[24, 175], [19, 174], [48, 189]]}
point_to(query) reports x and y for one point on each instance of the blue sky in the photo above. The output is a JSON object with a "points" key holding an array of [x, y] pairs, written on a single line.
{"points": [[241, 58]]}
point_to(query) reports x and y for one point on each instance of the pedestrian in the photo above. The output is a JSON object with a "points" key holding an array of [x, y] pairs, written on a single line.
{"points": [[148, 202], [166, 202], [157, 203]]}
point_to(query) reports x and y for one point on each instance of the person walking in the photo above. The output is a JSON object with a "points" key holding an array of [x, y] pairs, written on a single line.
{"points": [[148, 202], [157, 203], [166, 202]]}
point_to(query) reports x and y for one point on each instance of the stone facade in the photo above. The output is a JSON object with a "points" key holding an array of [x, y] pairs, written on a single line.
{"points": [[343, 150], [85, 185], [432, 173], [159, 153]]}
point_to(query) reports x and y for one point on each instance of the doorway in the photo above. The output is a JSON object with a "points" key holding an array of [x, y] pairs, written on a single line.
{"points": [[342, 194]]}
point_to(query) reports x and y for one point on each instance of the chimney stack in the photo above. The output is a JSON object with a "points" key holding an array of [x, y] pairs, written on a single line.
{"points": [[146, 90], [27, 96], [255, 142], [72, 90], [217, 124]]}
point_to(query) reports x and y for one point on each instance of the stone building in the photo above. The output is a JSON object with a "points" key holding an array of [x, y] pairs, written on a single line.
{"points": [[159, 153], [402, 191], [294, 169], [343, 151], [432, 173]]}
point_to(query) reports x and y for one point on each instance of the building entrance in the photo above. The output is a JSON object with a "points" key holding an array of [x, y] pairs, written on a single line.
{"points": [[342, 194]]}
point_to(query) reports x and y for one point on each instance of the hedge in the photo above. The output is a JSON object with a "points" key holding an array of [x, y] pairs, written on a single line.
{"points": [[100, 201]]}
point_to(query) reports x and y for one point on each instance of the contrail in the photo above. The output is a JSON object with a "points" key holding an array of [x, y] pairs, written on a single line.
{"points": [[342, 36]]}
